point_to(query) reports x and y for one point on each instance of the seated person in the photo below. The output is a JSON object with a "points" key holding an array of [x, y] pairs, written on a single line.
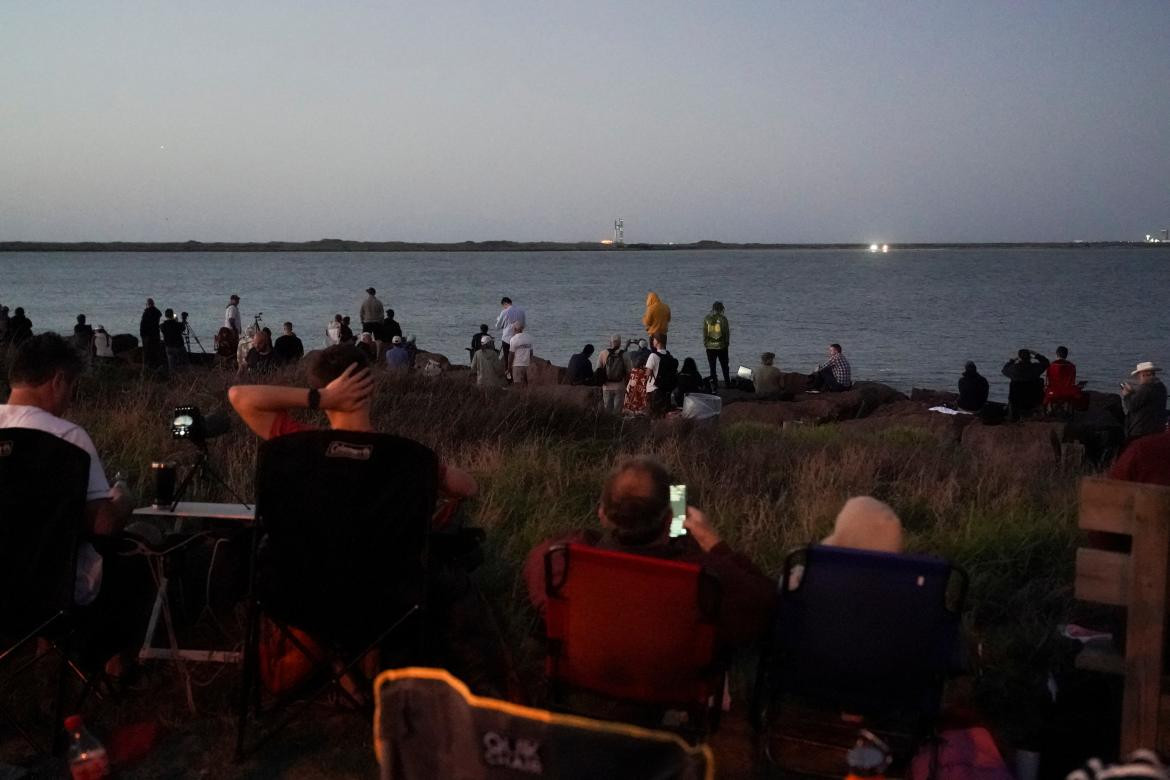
{"points": [[635, 516], [864, 523], [689, 381], [1026, 389], [835, 374], [43, 376], [973, 389], [398, 356], [580, 370], [1146, 459], [766, 377], [261, 359]]}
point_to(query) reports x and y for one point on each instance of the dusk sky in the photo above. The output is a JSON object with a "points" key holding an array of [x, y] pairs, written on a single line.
{"points": [[739, 121]]}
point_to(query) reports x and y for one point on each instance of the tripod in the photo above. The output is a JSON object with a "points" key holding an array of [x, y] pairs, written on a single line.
{"points": [[202, 466], [189, 334]]}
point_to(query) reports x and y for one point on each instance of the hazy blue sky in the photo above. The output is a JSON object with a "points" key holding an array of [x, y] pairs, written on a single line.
{"points": [[436, 121]]}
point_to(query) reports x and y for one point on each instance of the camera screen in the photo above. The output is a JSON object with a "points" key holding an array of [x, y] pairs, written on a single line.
{"points": [[183, 422], [678, 509]]}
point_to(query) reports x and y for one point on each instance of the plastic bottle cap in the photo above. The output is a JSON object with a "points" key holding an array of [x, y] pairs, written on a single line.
{"points": [[73, 723]]}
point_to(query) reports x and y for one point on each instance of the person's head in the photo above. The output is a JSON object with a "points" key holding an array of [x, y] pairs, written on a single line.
{"points": [[1145, 372], [1062, 353], [658, 341], [615, 341], [367, 337], [169, 314], [332, 361], [486, 342], [345, 320], [389, 314], [150, 303], [483, 328], [865, 523], [642, 344], [689, 366], [337, 318], [1025, 355], [371, 291], [396, 341], [635, 501], [969, 368], [80, 319], [518, 327], [588, 350], [505, 301], [101, 328], [235, 299], [717, 307], [183, 316], [288, 328], [834, 349], [261, 340], [44, 371], [19, 311], [767, 358]]}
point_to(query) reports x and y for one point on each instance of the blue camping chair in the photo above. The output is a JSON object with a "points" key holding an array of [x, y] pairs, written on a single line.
{"points": [[874, 635]]}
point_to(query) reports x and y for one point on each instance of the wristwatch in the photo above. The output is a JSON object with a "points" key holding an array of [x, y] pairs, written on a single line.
{"points": [[314, 398]]}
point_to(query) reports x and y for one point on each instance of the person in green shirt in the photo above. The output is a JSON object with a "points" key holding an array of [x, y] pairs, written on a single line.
{"points": [[716, 339]]}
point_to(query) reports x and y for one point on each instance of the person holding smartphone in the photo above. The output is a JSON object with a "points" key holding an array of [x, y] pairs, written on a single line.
{"points": [[635, 515]]}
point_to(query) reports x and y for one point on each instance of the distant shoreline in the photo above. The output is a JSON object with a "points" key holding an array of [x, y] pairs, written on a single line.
{"points": [[341, 245]]}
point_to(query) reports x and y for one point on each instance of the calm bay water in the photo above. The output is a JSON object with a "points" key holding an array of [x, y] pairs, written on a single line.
{"points": [[907, 318]]}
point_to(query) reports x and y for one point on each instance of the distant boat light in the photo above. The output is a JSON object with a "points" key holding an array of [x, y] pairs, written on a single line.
{"points": [[885, 247], [873, 247]]}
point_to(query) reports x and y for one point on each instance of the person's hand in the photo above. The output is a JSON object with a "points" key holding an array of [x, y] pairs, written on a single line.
{"points": [[1126, 388], [700, 529], [348, 391]]}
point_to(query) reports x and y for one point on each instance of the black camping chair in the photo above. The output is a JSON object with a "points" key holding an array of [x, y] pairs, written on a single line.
{"points": [[871, 634], [340, 553], [43, 481]]}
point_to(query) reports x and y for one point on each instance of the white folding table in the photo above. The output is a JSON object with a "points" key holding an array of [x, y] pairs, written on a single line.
{"points": [[193, 510]]}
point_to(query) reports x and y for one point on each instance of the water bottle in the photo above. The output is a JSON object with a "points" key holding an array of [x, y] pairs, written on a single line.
{"points": [[87, 756]]}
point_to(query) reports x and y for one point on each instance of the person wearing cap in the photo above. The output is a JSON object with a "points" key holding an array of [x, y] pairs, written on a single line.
{"points": [[397, 357], [1145, 404], [373, 314], [716, 340], [486, 367]]}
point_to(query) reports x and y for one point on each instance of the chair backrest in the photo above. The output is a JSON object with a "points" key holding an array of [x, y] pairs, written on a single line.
{"points": [[427, 724], [866, 632], [345, 517], [631, 627], [43, 486], [1062, 375]]}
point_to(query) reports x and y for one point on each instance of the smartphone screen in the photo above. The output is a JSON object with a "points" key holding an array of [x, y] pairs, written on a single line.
{"points": [[678, 509]]}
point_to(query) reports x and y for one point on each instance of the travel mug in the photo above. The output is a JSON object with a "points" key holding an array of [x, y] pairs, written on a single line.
{"points": [[164, 483]]}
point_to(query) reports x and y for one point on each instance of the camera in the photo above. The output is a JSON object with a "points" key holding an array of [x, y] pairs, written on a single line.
{"points": [[189, 424]]}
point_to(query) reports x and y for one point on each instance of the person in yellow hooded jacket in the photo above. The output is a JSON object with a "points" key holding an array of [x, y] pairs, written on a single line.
{"points": [[657, 316]]}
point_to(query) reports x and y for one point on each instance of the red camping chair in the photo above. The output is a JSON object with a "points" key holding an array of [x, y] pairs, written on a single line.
{"points": [[1062, 390], [634, 629]]}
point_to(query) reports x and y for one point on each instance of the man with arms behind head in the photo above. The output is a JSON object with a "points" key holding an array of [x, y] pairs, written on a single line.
{"points": [[635, 516]]}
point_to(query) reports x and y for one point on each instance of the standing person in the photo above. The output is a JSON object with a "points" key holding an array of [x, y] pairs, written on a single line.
{"points": [[661, 375], [83, 339], [390, 327], [288, 348], [152, 353], [520, 355], [172, 339], [19, 327], [510, 317], [1026, 389], [4, 325], [716, 340], [835, 374], [1145, 405], [231, 315], [372, 314], [973, 389], [612, 365], [103, 345], [486, 367], [657, 316]]}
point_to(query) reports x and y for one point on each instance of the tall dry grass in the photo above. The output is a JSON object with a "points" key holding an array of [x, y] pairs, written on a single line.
{"points": [[540, 464]]}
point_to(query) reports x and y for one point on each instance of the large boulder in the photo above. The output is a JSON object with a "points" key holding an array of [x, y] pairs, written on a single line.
{"points": [[542, 372], [581, 396], [914, 414], [422, 359], [933, 397], [122, 343], [861, 401], [1028, 444]]}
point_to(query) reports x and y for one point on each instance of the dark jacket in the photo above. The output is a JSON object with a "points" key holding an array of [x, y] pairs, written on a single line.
{"points": [[748, 595], [148, 325], [289, 348], [973, 391], [580, 370], [1145, 410], [1026, 391]]}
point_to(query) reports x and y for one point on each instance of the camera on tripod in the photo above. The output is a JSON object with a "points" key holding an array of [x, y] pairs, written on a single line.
{"points": [[189, 424]]}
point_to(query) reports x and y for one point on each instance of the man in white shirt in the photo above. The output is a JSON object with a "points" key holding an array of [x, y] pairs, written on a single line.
{"points": [[231, 315], [658, 384], [43, 375], [520, 355], [510, 317]]}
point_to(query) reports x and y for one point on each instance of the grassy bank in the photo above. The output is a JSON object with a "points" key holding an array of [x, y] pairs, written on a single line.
{"points": [[540, 465]]}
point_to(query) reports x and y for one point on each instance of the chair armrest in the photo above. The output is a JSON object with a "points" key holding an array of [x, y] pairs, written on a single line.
{"points": [[553, 583]]}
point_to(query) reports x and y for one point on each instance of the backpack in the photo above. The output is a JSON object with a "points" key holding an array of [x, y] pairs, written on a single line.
{"points": [[667, 376], [615, 366]]}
